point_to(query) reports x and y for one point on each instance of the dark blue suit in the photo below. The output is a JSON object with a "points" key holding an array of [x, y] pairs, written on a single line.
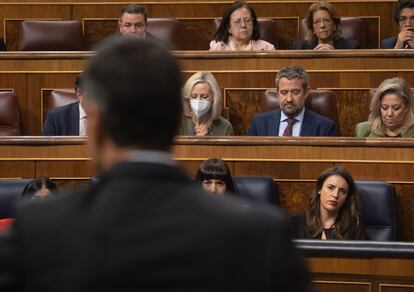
{"points": [[388, 43], [63, 121], [313, 124]]}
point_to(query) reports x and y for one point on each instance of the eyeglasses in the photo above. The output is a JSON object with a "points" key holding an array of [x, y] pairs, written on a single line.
{"points": [[318, 22], [238, 22]]}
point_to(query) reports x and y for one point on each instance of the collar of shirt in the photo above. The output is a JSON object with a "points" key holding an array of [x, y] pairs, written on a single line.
{"points": [[152, 156], [82, 113], [298, 118]]}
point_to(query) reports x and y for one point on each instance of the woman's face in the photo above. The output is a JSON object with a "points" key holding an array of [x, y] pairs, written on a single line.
{"points": [[241, 25], [41, 193], [215, 186], [323, 25], [393, 111], [201, 91], [333, 194]]}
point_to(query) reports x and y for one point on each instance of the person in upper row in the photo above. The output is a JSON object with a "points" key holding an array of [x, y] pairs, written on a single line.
{"points": [[404, 17], [333, 211], [215, 177], [391, 111], [68, 120], [38, 189], [132, 23], [324, 33], [239, 31], [292, 119], [202, 107]]}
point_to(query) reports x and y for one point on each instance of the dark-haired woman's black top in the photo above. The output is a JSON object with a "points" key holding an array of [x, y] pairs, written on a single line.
{"points": [[299, 230], [339, 44]]}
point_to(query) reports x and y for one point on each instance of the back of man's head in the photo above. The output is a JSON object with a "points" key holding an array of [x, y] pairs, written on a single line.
{"points": [[136, 87]]}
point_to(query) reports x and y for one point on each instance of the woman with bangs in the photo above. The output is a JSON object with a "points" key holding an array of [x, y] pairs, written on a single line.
{"points": [[215, 177], [391, 111]]}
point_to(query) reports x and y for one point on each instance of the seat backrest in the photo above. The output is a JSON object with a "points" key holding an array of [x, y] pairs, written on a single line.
{"points": [[378, 209], [10, 191], [257, 189], [167, 30], [51, 35], [10, 123], [352, 28], [267, 29], [322, 102], [61, 97]]}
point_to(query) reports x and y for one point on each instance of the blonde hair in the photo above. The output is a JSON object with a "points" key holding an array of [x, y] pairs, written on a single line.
{"points": [[216, 106], [396, 86], [328, 7]]}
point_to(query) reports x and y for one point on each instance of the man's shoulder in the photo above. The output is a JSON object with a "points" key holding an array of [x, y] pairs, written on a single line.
{"points": [[389, 43], [315, 117], [267, 115], [64, 109]]}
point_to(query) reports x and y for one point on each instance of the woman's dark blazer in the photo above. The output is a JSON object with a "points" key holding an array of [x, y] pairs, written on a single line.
{"points": [[339, 43]]}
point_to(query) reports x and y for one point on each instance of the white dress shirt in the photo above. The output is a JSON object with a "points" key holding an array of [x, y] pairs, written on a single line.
{"points": [[296, 126], [82, 121]]}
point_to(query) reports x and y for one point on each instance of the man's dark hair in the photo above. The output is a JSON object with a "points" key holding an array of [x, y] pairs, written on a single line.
{"points": [[79, 86], [222, 33], [136, 86], [400, 5], [134, 9], [37, 184]]}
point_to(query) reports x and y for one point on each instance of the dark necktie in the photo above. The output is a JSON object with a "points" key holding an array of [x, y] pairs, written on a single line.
{"points": [[289, 128]]}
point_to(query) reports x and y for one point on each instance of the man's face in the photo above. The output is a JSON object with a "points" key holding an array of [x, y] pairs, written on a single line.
{"points": [[291, 96], [406, 18], [132, 24]]}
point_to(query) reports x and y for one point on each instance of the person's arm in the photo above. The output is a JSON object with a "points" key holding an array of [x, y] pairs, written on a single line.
{"points": [[331, 131], [229, 130], [49, 129]]}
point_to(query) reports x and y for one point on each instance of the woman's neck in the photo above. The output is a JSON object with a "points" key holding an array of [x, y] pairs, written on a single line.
{"points": [[328, 218], [325, 41], [240, 44]]}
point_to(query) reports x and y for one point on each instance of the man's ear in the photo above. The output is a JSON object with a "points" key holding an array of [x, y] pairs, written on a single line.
{"points": [[306, 93]]}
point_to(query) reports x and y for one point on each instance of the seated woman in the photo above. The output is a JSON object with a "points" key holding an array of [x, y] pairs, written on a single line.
{"points": [[239, 31], [215, 176], [333, 211], [202, 107], [38, 189], [322, 21], [391, 111]]}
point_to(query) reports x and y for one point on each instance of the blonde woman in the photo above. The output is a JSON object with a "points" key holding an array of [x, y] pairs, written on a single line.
{"points": [[391, 111], [202, 107]]}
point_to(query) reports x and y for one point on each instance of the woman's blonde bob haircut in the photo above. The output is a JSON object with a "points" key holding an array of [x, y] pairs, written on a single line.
{"points": [[216, 106], [328, 7], [396, 86]]}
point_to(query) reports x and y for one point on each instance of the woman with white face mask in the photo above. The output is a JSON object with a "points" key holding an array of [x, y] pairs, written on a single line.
{"points": [[202, 107]]}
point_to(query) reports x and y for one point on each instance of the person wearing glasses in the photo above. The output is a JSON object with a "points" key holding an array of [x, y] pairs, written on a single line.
{"points": [[404, 17], [324, 33], [202, 107], [239, 31]]}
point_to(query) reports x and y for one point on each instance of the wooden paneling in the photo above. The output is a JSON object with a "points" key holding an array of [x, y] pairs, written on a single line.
{"points": [[342, 286]]}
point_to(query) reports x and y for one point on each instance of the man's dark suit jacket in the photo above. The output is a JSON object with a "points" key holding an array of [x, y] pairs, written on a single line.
{"points": [[389, 43], [63, 121], [109, 40], [148, 227], [340, 44], [313, 124]]}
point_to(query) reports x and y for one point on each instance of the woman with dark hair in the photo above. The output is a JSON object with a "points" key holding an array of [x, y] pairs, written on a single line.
{"points": [[215, 176], [38, 188], [239, 31], [324, 33], [333, 211]]}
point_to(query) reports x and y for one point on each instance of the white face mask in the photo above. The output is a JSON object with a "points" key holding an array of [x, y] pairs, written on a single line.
{"points": [[200, 106]]}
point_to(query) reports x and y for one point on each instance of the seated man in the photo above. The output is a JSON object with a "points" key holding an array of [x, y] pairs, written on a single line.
{"points": [[404, 17], [292, 119], [132, 23], [68, 120]]}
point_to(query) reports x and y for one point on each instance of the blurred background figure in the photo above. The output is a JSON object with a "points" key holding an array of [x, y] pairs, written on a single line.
{"points": [[215, 177], [322, 21], [239, 31], [38, 189], [202, 107], [391, 111], [333, 211]]}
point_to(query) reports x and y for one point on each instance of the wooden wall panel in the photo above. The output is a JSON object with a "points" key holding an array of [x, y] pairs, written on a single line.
{"points": [[17, 169], [342, 286], [95, 30]]}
